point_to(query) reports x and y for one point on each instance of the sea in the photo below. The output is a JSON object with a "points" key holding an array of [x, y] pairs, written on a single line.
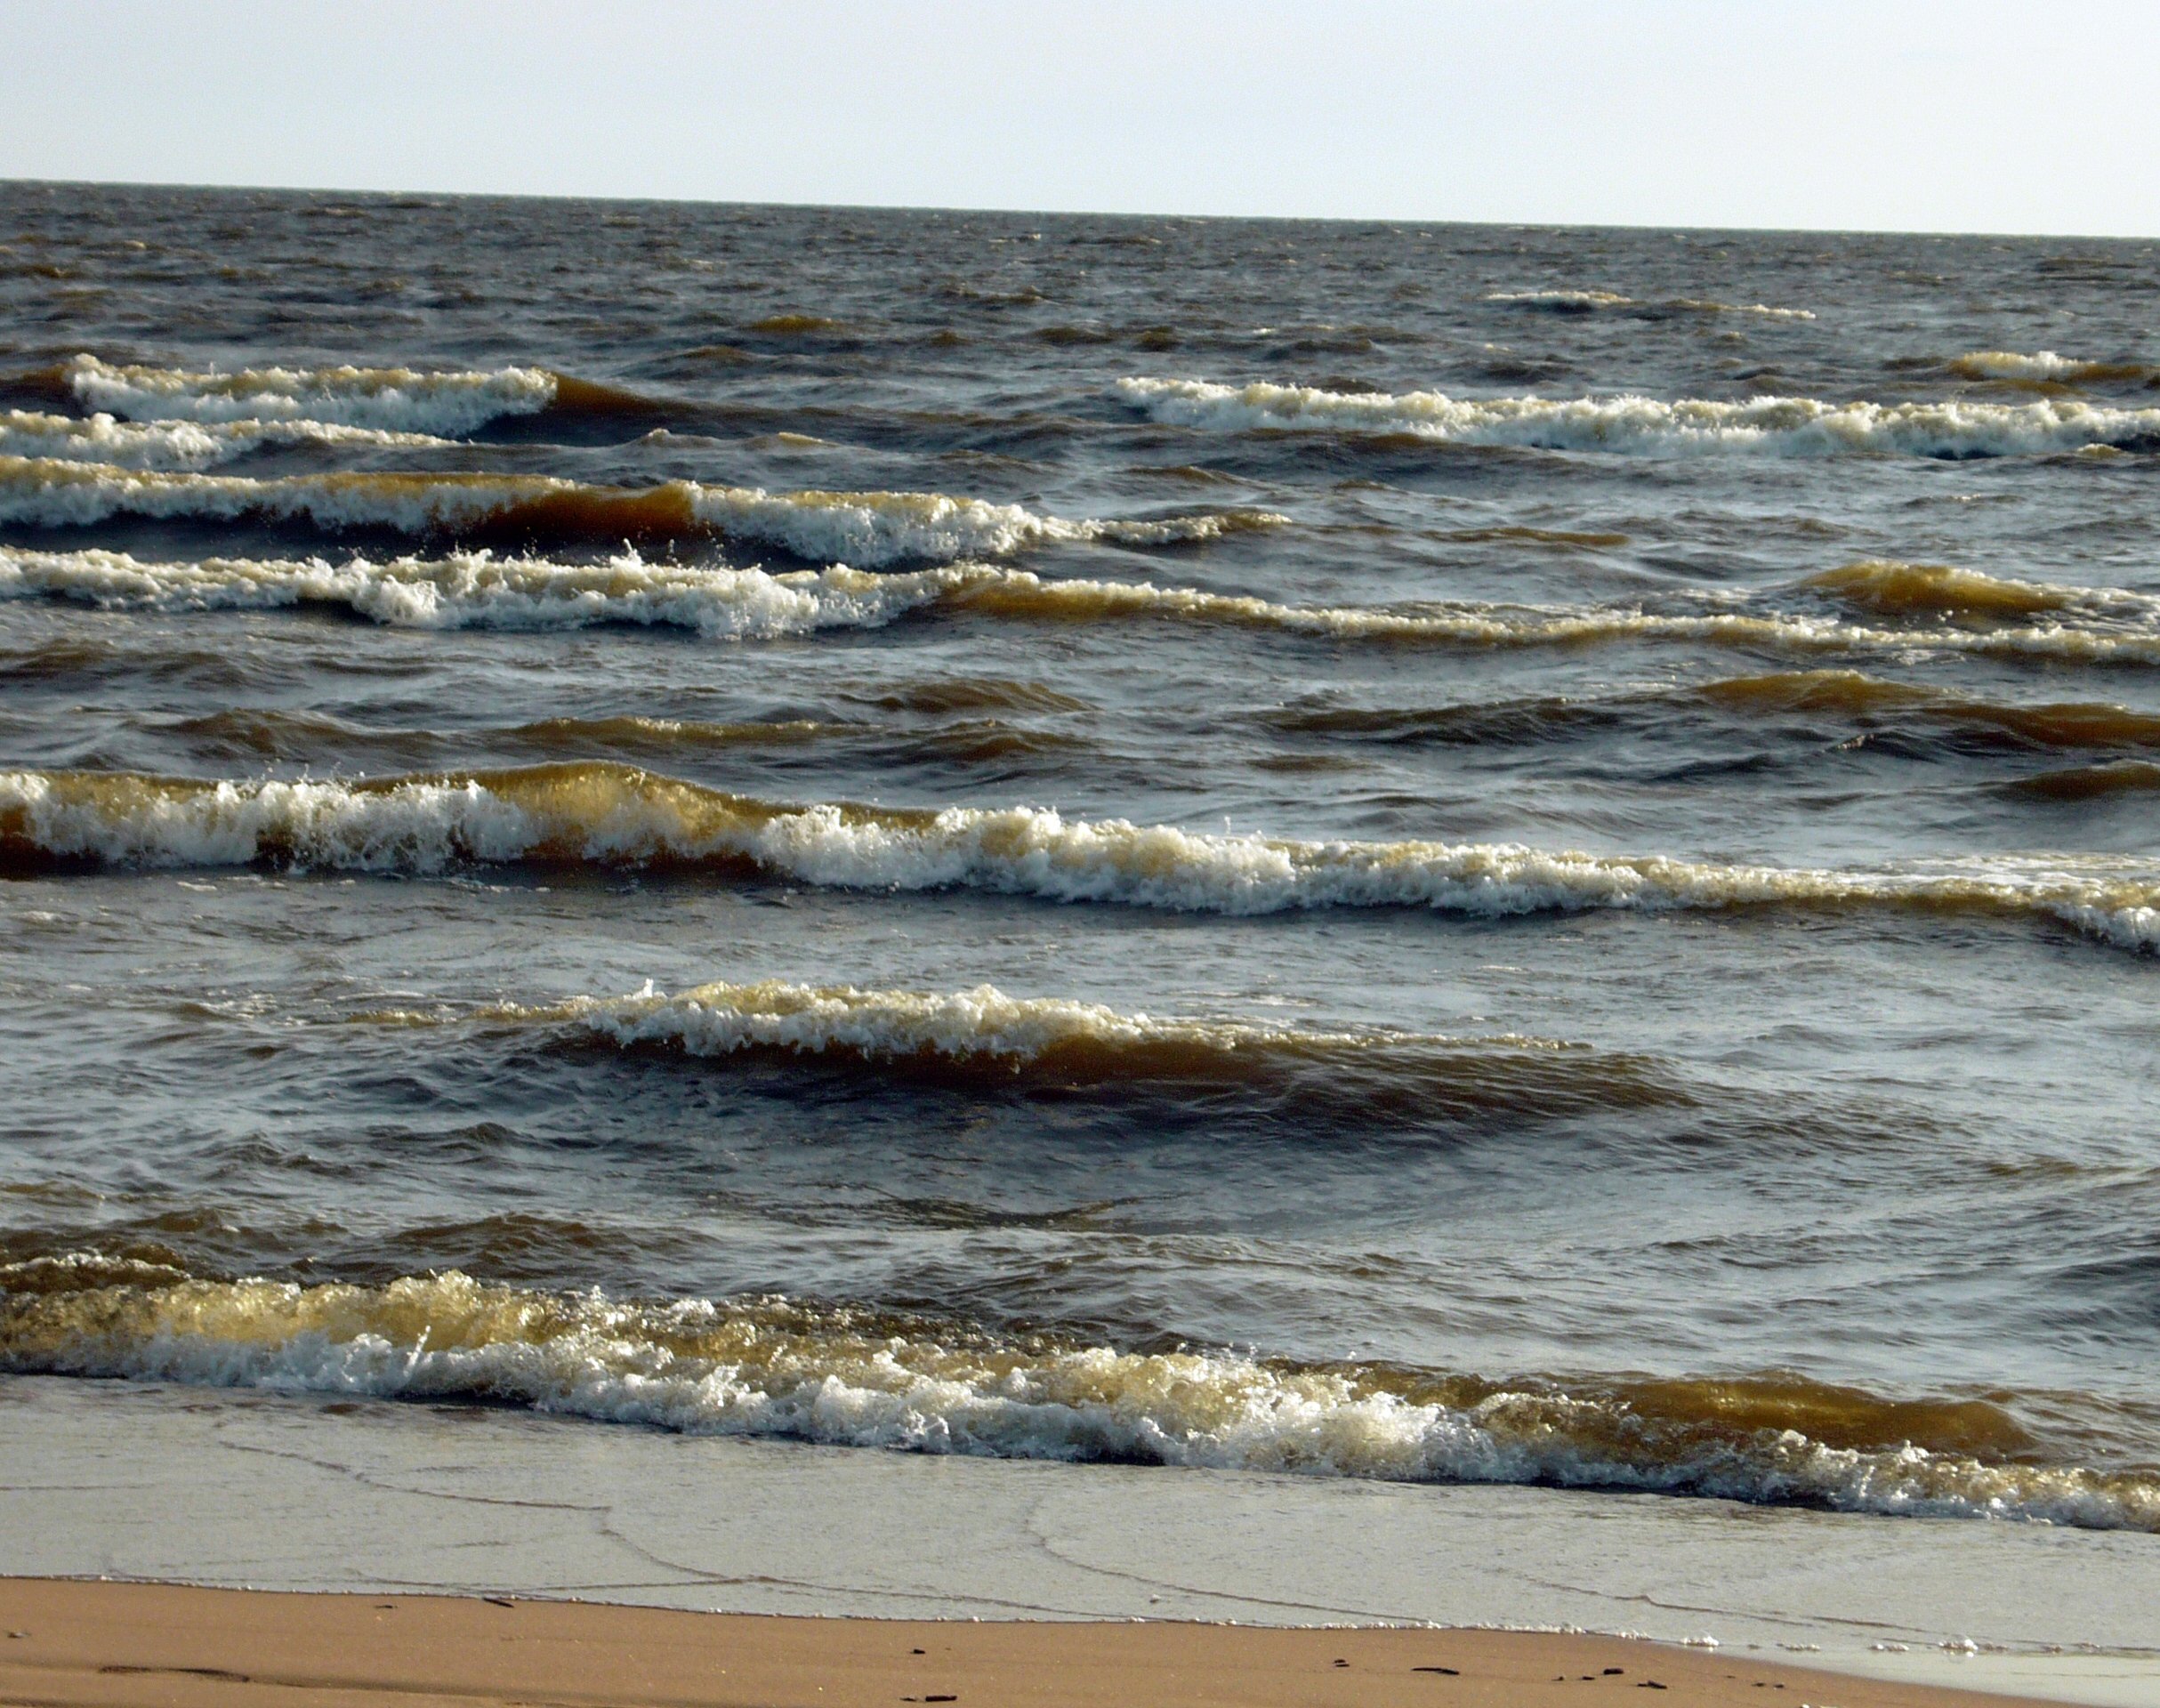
{"points": [[1435, 853]]}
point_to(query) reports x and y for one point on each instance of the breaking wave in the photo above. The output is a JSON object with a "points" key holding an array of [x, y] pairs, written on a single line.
{"points": [[859, 1376], [476, 589], [479, 590], [399, 400], [2041, 366], [1646, 426], [599, 814], [1888, 587], [870, 529], [177, 445], [983, 1037]]}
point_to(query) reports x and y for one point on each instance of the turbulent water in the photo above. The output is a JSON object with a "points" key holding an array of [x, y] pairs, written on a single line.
{"points": [[1457, 853]]}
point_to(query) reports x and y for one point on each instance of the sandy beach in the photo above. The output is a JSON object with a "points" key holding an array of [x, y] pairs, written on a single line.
{"points": [[347, 1507], [129, 1644]]}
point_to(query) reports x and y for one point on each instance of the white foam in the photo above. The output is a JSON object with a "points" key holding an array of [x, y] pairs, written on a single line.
{"points": [[767, 1367], [720, 1019], [479, 590], [476, 589], [1649, 427], [876, 528], [2011, 365], [1562, 299], [2044, 367], [396, 399], [602, 813], [870, 529], [178, 444]]}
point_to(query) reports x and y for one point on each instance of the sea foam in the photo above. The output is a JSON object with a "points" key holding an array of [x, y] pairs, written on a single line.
{"points": [[1946, 609], [599, 814], [770, 1367], [400, 399], [1649, 427], [178, 445], [869, 529]]}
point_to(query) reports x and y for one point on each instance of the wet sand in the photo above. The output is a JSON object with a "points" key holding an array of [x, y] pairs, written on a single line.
{"points": [[127, 1644], [379, 1500]]}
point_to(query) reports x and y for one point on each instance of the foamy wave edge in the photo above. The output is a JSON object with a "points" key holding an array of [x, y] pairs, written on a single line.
{"points": [[479, 590], [720, 1019], [869, 529], [983, 1023], [395, 399], [180, 444], [1649, 427], [604, 814], [770, 1368]]}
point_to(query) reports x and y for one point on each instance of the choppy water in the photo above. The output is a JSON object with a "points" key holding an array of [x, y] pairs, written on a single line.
{"points": [[1450, 852]]}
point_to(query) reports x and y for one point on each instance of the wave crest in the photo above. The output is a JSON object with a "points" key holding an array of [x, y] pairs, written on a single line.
{"points": [[398, 398], [2041, 368], [1648, 427], [180, 445], [861, 1377], [601, 814], [869, 530], [476, 589], [1393, 1083]]}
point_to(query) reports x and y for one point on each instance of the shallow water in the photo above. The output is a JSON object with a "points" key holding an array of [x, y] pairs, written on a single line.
{"points": [[1416, 852]]}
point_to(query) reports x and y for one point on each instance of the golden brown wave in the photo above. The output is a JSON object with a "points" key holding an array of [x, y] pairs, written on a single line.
{"points": [[597, 815], [1891, 589], [2092, 782], [1843, 700], [863, 1376], [1379, 1080]]}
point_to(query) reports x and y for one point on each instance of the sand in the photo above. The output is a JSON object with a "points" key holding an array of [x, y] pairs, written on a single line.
{"points": [[142, 1482], [105, 1643]]}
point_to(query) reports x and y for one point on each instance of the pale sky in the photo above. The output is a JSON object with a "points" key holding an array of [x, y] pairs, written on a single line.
{"points": [[1974, 115]]}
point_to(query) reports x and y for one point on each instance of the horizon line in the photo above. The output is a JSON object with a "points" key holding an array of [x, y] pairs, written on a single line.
{"points": [[11, 181]]}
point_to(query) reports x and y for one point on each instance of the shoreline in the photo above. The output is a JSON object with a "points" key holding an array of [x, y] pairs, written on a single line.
{"points": [[102, 1644], [154, 1483]]}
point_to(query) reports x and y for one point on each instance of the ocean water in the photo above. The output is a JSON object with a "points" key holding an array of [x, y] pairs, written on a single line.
{"points": [[1430, 853]]}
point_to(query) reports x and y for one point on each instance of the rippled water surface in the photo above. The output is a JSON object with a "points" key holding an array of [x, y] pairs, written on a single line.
{"points": [[1420, 853]]}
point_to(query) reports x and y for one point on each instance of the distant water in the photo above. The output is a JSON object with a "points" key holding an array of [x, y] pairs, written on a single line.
{"points": [[1428, 853]]}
